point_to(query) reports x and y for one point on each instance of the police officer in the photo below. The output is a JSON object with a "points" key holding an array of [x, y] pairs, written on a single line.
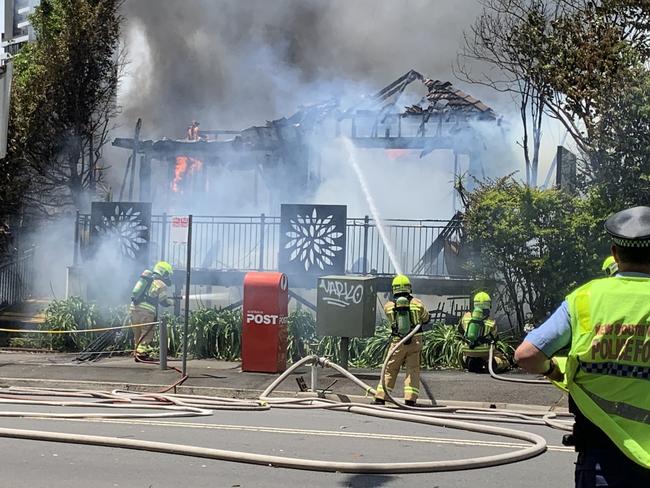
{"points": [[606, 323], [404, 312]]}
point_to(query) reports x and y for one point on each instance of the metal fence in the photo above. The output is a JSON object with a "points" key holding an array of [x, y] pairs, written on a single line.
{"points": [[16, 279], [253, 243]]}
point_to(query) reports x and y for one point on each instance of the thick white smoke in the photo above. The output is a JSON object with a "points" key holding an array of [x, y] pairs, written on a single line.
{"points": [[235, 64], [241, 63]]}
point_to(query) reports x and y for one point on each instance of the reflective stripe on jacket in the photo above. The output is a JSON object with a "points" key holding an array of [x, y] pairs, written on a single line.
{"points": [[489, 327], [155, 295], [419, 313], [608, 366]]}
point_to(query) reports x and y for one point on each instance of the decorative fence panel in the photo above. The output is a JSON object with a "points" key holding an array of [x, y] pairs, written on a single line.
{"points": [[252, 243]]}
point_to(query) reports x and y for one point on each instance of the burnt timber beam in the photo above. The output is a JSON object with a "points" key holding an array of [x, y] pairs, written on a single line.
{"points": [[164, 148], [130, 143]]}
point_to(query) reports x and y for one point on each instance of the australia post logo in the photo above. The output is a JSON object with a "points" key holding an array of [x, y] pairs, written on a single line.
{"points": [[261, 318]]}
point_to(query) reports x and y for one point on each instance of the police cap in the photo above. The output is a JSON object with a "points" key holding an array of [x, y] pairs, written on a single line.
{"points": [[630, 227]]}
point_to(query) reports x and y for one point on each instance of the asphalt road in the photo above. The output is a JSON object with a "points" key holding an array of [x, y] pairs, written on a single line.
{"points": [[316, 434]]}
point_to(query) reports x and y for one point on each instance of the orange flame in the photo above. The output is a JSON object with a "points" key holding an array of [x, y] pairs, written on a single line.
{"points": [[399, 153], [182, 164]]}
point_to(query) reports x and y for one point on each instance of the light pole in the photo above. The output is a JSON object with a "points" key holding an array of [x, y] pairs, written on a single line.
{"points": [[6, 72], [17, 30]]}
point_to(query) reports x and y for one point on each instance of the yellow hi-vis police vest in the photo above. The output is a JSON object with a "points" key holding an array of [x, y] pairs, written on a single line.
{"points": [[608, 366]]}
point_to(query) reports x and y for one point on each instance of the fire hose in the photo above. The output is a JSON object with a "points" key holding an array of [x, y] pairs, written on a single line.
{"points": [[548, 419], [511, 380], [179, 405], [168, 405], [150, 325]]}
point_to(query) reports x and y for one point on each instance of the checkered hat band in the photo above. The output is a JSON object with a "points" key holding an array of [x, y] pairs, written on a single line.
{"points": [[631, 243], [617, 369]]}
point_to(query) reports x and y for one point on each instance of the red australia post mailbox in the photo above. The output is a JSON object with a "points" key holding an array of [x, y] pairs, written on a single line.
{"points": [[264, 328]]}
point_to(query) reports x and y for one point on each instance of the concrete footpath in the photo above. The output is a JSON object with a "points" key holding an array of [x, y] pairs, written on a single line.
{"points": [[223, 378]]}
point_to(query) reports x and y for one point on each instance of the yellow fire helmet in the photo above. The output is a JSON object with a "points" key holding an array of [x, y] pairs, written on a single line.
{"points": [[610, 266], [482, 300], [164, 269], [401, 284]]}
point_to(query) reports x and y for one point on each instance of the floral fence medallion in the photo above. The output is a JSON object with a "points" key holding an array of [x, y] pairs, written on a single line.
{"points": [[124, 225], [312, 239]]}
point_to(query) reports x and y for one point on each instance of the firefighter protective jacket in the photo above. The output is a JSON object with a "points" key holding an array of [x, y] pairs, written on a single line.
{"points": [[418, 312], [489, 331], [149, 292]]}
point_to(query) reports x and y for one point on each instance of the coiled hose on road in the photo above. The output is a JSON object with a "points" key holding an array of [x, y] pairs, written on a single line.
{"points": [[549, 419], [511, 380], [168, 406]]}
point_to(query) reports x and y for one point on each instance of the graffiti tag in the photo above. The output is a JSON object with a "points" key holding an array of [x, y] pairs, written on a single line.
{"points": [[341, 294]]}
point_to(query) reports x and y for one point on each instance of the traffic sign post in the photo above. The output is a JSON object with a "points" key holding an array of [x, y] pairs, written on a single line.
{"points": [[188, 269]]}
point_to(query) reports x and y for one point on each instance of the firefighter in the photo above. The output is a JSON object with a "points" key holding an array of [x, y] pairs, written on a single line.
{"points": [[605, 325], [193, 133], [148, 293], [404, 312], [480, 332], [610, 267]]}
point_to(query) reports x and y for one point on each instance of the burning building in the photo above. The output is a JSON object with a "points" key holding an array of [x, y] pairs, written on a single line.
{"points": [[283, 153]]}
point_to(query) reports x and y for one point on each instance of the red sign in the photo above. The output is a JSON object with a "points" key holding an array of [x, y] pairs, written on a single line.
{"points": [[178, 234], [264, 327]]}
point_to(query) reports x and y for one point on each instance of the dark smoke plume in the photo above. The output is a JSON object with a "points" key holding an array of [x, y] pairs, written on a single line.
{"points": [[231, 63]]}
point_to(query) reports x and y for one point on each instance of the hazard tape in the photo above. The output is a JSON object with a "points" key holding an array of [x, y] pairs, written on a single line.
{"points": [[81, 331]]}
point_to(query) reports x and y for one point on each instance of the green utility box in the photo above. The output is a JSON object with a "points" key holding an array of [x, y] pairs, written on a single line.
{"points": [[346, 306]]}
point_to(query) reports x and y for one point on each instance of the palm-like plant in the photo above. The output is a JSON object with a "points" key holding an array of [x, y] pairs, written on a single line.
{"points": [[442, 346], [68, 315], [302, 334]]}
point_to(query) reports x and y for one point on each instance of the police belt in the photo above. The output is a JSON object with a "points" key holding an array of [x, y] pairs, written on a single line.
{"points": [[586, 434]]}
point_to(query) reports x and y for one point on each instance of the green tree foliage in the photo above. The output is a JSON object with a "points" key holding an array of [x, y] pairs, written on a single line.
{"points": [[587, 61], [64, 98], [535, 244], [620, 156]]}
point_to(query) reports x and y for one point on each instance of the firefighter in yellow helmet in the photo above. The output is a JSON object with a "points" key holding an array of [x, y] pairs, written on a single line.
{"points": [[610, 266], [404, 312], [480, 332], [148, 293]]}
